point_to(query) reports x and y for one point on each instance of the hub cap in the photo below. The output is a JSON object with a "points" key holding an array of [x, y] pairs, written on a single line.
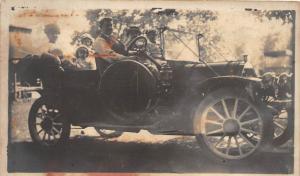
{"points": [[231, 127]]}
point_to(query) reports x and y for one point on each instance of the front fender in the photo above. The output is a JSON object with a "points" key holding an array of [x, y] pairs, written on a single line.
{"points": [[250, 84]]}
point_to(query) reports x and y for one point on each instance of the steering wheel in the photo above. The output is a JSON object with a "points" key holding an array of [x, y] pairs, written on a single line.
{"points": [[137, 45]]}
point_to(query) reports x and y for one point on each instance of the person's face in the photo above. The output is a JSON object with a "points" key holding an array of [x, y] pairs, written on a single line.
{"points": [[107, 28], [152, 38], [52, 37]]}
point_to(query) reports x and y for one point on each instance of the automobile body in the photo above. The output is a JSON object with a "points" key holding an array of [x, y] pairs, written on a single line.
{"points": [[219, 103]]}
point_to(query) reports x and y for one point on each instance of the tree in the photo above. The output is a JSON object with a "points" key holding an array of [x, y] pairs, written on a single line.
{"points": [[286, 16], [193, 21]]}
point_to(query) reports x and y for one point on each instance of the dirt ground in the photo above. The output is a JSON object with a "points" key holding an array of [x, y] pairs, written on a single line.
{"points": [[131, 152]]}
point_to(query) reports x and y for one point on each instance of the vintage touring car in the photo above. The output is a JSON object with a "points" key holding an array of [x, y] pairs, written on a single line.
{"points": [[220, 102]]}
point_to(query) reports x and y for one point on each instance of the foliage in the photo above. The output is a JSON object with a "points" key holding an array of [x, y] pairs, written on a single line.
{"points": [[286, 16], [193, 21]]}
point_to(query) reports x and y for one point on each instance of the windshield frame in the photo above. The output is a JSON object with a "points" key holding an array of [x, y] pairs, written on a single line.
{"points": [[162, 31], [198, 37]]}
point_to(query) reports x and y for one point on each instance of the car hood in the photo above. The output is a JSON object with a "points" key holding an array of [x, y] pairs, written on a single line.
{"points": [[210, 69]]}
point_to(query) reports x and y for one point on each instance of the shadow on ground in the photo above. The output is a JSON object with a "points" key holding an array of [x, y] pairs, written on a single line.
{"points": [[94, 155]]}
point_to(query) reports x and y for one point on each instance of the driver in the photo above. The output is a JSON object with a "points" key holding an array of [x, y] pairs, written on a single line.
{"points": [[153, 48], [106, 46]]}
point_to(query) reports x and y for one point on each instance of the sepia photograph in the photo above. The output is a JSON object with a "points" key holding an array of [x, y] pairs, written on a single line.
{"points": [[144, 87]]}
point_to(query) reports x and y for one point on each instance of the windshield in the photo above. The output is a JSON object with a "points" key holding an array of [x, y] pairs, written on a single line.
{"points": [[180, 46]]}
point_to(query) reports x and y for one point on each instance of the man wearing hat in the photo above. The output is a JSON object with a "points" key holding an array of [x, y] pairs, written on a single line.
{"points": [[106, 46], [153, 48], [52, 31]]}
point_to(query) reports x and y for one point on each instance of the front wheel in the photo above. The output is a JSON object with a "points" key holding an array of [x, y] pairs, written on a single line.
{"points": [[230, 126], [283, 126], [47, 126]]}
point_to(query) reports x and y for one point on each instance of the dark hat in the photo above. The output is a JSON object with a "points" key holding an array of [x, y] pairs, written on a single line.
{"points": [[104, 20], [149, 32]]}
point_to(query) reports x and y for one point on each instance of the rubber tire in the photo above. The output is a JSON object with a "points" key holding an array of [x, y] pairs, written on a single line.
{"points": [[111, 135], [66, 127], [288, 132], [267, 134]]}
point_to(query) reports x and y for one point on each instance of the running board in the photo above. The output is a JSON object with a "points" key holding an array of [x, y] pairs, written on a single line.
{"points": [[136, 128], [171, 132], [151, 128]]}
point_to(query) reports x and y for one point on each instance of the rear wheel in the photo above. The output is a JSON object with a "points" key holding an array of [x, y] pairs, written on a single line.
{"points": [[47, 126], [230, 126]]}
